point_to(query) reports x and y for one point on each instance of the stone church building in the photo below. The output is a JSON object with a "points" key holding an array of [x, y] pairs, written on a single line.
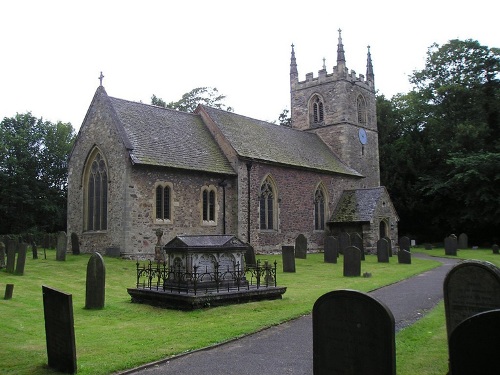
{"points": [[137, 168]]}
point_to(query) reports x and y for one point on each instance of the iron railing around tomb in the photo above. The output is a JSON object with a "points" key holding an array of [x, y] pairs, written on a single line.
{"points": [[159, 276]]}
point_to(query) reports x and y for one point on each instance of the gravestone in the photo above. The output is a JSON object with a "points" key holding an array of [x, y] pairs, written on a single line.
{"points": [[383, 251], [404, 257], [11, 255], [494, 248], [389, 242], [470, 287], [61, 246], [404, 243], [21, 258], [473, 345], [352, 261], [59, 330], [75, 244], [288, 256], [2, 255], [250, 259], [301, 247], [34, 250], [463, 241], [344, 241], [9, 289], [353, 333], [96, 282], [450, 245], [114, 252], [357, 241], [428, 246], [331, 249]]}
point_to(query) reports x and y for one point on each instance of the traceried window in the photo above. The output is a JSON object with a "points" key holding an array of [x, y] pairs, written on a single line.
{"points": [[97, 193], [267, 205], [317, 108], [208, 205], [361, 107], [319, 209], [163, 210]]}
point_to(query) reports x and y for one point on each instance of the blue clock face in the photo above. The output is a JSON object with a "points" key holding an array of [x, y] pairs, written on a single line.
{"points": [[362, 136]]}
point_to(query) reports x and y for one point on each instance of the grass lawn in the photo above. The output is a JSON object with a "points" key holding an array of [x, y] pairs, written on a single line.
{"points": [[125, 335]]}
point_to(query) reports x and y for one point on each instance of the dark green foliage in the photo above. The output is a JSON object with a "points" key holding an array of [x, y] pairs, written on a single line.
{"points": [[208, 96], [33, 173]]}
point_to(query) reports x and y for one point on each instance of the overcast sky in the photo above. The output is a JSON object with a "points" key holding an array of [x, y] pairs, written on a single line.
{"points": [[52, 52]]}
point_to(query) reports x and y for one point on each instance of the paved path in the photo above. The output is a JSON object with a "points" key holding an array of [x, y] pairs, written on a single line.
{"points": [[287, 348]]}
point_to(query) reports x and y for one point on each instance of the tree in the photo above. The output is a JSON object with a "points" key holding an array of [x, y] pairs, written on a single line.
{"points": [[33, 173], [285, 119], [208, 96]]}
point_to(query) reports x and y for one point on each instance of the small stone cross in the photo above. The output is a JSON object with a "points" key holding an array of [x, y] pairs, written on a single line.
{"points": [[100, 79]]}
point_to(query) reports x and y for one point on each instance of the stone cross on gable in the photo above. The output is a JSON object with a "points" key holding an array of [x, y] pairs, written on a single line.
{"points": [[100, 79]]}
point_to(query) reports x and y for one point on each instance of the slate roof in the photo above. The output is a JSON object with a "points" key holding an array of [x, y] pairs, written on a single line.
{"points": [[268, 142], [357, 205], [205, 241], [169, 138]]}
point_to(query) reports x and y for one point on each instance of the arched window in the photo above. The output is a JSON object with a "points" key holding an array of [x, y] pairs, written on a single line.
{"points": [[317, 109], [208, 205], [163, 210], [96, 185], [361, 107], [319, 209], [267, 205]]}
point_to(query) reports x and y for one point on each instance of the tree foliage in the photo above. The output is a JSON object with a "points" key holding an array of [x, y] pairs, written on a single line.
{"points": [[33, 173], [208, 96], [439, 144]]}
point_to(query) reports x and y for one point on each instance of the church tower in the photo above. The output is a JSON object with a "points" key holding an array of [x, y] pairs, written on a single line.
{"points": [[340, 107]]}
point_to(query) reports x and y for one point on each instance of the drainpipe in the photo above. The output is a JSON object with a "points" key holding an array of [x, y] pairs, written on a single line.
{"points": [[249, 167], [223, 184]]}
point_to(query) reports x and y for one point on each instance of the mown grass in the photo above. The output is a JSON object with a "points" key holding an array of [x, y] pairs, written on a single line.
{"points": [[125, 335]]}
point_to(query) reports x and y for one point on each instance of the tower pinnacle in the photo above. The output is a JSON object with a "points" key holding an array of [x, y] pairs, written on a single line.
{"points": [[369, 67], [294, 74], [340, 52]]}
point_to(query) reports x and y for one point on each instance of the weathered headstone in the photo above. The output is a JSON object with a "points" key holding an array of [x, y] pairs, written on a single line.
{"points": [[2, 255], [353, 333], [96, 282], [59, 330], [450, 245], [357, 241], [9, 289], [495, 249], [470, 287], [301, 247], [383, 251], [34, 250], [389, 242], [404, 257], [75, 244], [114, 252], [352, 261], [428, 246], [288, 256], [463, 241], [61, 246], [250, 259], [21, 258], [344, 241], [404, 243], [473, 345], [331, 249], [11, 255]]}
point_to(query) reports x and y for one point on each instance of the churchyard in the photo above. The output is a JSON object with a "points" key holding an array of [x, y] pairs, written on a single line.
{"points": [[124, 335]]}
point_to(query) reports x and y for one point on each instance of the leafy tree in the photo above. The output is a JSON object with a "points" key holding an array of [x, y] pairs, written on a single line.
{"points": [[285, 119], [33, 173], [208, 96]]}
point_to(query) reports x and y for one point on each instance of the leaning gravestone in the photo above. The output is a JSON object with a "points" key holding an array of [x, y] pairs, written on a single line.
{"points": [[352, 261], [470, 287], [357, 241], [301, 247], [2, 255], [344, 241], [288, 257], [59, 330], [11, 255], [404, 257], [494, 248], [61, 246], [463, 241], [404, 243], [382, 251], [450, 245], [9, 289], [96, 282], [353, 334], [21, 258], [473, 345], [75, 244], [331, 249]]}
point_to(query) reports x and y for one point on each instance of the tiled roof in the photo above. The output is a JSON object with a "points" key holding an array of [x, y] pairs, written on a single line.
{"points": [[169, 138], [268, 142], [357, 205]]}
